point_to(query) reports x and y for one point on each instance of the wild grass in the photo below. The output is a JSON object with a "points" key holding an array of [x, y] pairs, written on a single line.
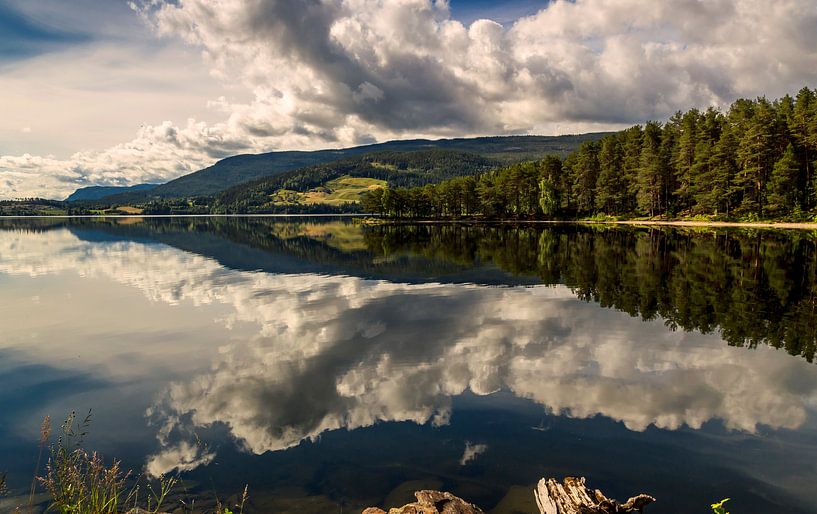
{"points": [[45, 434], [221, 509], [718, 508], [81, 482]]}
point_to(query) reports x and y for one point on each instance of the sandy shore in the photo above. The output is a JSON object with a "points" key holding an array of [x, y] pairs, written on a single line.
{"points": [[808, 226]]}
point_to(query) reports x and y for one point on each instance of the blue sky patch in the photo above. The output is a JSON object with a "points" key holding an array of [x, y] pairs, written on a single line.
{"points": [[504, 12], [22, 37]]}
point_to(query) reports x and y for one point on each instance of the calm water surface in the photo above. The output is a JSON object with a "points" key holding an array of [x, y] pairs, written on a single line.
{"points": [[332, 366]]}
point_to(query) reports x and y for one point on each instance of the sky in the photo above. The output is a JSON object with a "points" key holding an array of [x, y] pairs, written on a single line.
{"points": [[120, 92]]}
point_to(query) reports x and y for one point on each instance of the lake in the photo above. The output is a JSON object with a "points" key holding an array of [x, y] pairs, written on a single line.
{"points": [[331, 365]]}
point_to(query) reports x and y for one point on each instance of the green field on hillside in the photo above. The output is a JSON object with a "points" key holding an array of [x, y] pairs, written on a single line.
{"points": [[339, 191]]}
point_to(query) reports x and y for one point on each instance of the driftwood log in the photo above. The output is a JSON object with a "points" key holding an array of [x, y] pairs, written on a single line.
{"points": [[573, 497], [552, 497]]}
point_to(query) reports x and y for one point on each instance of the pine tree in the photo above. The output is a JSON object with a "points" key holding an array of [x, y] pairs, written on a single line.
{"points": [[566, 183], [756, 157], [550, 174], [685, 158], [586, 171], [631, 162], [667, 155], [800, 129], [709, 128], [650, 170], [783, 191], [811, 158], [702, 173], [611, 185]]}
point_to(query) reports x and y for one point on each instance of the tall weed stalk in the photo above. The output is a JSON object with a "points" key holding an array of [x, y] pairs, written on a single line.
{"points": [[79, 482]]}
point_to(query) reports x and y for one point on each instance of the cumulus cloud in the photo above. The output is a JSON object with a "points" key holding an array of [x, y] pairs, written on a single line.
{"points": [[318, 353], [157, 154], [341, 72], [590, 61]]}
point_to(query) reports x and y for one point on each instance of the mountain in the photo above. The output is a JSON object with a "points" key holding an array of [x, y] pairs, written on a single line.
{"points": [[244, 168], [346, 179], [97, 192]]}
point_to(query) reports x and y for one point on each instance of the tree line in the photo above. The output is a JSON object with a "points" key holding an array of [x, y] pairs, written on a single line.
{"points": [[756, 160]]}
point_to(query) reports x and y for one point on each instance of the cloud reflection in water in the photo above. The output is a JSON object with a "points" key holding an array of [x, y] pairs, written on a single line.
{"points": [[331, 352]]}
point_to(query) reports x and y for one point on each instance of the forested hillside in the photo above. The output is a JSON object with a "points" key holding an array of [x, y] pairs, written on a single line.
{"points": [[398, 169], [757, 160], [244, 168]]}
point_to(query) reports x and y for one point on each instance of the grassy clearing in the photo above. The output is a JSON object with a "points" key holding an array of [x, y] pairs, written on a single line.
{"points": [[126, 209], [122, 209], [340, 191]]}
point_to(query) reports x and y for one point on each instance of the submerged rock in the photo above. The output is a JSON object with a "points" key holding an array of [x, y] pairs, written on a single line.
{"points": [[432, 502]]}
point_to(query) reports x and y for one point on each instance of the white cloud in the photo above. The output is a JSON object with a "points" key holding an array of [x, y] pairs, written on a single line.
{"points": [[338, 72], [589, 61]]}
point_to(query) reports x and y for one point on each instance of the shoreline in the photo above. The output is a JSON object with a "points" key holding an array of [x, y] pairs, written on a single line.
{"points": [[131, 216], [668, 223], [674, 223], [715, 224]]}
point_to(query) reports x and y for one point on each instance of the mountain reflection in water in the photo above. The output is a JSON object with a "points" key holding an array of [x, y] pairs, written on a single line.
{"points": [[316, 327]]}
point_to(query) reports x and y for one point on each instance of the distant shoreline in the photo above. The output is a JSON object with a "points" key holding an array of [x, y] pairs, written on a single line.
{"points": [[669, 223], [294, 215], [674, 223], [750, 224]]}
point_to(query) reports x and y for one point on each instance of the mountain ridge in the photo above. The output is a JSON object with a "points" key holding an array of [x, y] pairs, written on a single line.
{"points": [[98, 192], [242, 168]]}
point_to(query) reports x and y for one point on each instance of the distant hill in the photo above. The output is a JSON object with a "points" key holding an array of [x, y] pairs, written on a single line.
{"points": [[312, 184], [243, 168], [97, 192], [33, 207]]}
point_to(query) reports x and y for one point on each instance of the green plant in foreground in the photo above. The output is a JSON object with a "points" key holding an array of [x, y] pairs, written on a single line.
{"points": [[718, 508], [221, 509], [45, 434], [79, 482]]}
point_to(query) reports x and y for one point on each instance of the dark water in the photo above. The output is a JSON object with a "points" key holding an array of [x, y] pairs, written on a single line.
{"points": [[332, 366]]}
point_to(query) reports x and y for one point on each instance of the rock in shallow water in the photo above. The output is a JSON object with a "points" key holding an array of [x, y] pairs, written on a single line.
{"points": [[552, 497], [432, 502]]}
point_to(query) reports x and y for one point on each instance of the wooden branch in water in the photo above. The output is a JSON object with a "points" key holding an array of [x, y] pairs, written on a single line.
{"points": [[573, 497]]}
